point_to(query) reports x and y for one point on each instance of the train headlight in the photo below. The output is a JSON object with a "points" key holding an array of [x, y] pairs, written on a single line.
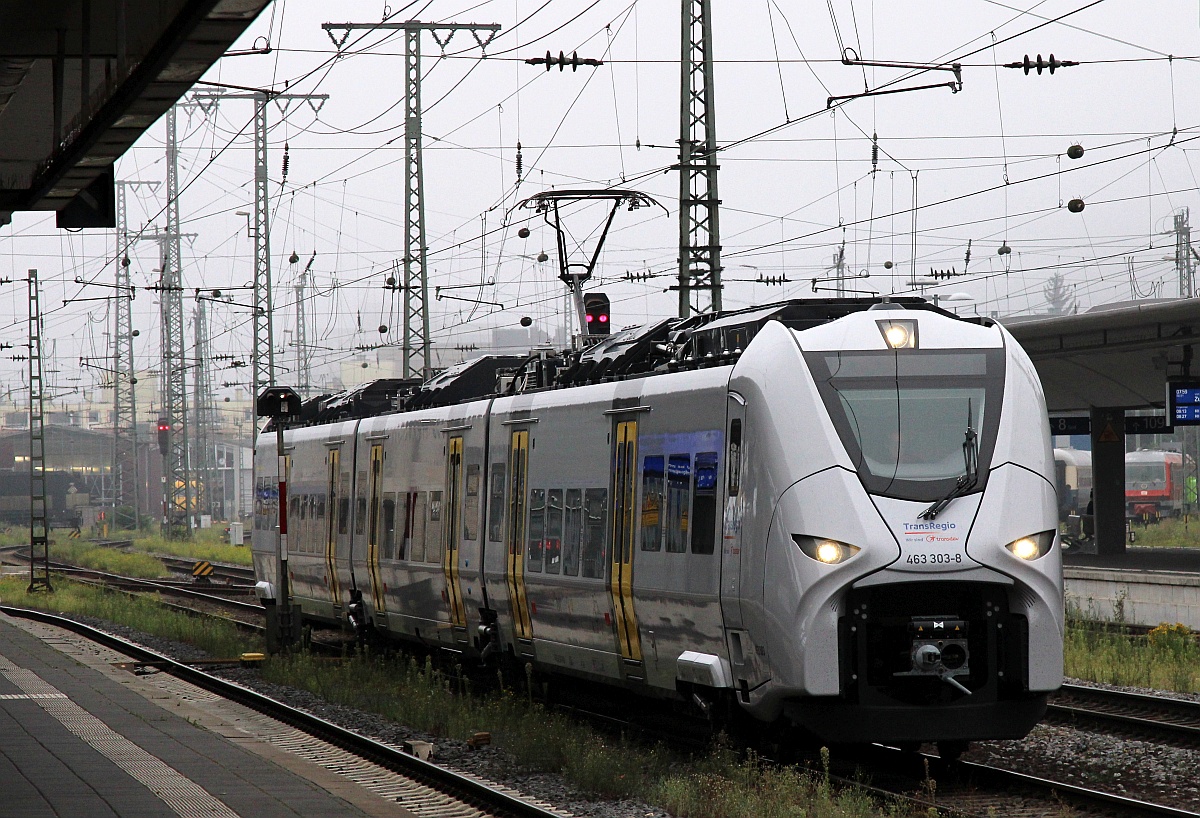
{"points": [[830, 552], [899, 333], [1033, 546]]}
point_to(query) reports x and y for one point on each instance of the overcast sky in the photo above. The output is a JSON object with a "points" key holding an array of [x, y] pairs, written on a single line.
{"points": [[796, 180]]}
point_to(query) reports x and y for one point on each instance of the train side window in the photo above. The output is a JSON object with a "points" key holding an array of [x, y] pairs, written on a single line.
{"points": [[735, 458], [572, 532], [554, 531], [595, 535], [679, 495], [319, 510], [496, 505], [652, 502], [416, 552], [433, 530], [294, 507], [471, 503], [343, 515], [389, 526], [704, 504], [360, 515], [537, 528]]}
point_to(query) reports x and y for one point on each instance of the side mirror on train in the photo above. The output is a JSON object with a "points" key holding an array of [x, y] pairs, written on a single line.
{"points": [[279, 402]]}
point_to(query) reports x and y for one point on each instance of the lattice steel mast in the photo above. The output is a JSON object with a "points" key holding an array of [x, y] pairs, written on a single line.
{"points": [[202, 401], [39, 529], [303, 353], [177, 478], [126, 485], [263, 352], [1185, 265], [416, 354], [699, 231]]}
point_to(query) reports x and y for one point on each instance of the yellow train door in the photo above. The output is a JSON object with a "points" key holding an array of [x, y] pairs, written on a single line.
{"points": [[453, 530], [624, 528], [518, 463], [373, 527], [331, 531]]}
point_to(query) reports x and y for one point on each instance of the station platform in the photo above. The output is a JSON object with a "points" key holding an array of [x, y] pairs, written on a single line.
{"points": [[1138, 558], [1143, 586], [80, 737]]}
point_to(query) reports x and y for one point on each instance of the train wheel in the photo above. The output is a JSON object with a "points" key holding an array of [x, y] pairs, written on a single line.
{"points": [[951, 750]]}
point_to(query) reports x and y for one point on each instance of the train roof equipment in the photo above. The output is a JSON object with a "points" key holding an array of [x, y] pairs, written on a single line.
{"points": [[665, 345]]}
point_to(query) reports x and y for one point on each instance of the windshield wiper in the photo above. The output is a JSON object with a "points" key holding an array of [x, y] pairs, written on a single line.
{"points": [[966, 481]]}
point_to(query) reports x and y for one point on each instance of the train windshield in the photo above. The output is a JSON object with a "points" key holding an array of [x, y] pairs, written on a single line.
{"points": [[1145, 476], [903, 416]]}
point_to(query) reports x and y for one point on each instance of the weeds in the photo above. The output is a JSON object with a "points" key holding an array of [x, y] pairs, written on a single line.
{"points": [[1168, 658], [142, 613]]}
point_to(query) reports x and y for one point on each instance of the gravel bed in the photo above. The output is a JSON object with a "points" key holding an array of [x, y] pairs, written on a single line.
{"points": [[1129, 767], [1134, 768]]}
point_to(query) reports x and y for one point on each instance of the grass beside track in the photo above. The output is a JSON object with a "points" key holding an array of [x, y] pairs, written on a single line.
{"points": [[1167, 658], [143, 613], [1183, 532], [206, 544], [719, 785]]}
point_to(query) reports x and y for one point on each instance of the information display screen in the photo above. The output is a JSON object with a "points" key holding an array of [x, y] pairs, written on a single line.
{"points": [[1183, 403]]}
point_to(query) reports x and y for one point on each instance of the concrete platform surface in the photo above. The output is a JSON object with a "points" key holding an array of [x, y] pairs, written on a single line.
{"points": [[1138, 558], [79, 737], [1143, 586]]}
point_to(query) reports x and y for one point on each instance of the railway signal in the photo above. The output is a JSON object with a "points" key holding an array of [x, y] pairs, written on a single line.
{"points": [[595, 307], [164, 435]]}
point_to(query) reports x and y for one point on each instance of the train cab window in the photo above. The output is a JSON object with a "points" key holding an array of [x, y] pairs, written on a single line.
{"points": [[537, 529], [389, 526], [704, 504], [679, 495], [554, 531], [572, 532], [735, 457], [594, 560], [433, 530], [653, 479], [343, 515], [416, 549], [496, 505], [902, 415], [360, 515]]}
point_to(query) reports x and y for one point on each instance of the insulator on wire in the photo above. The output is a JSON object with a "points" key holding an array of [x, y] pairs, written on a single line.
{"points": [[874, 151], [286, 159], [520, 163], [1040, 64]]}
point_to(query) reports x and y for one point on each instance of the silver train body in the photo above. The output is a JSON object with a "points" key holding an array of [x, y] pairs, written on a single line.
{"points": [[749, 533]]}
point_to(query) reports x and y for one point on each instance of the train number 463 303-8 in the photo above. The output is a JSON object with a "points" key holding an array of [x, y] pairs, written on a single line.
{"points": [[934, 559]]}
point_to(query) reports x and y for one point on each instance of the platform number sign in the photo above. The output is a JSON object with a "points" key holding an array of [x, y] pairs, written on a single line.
{"points": [[1071, 425], [1183, 399]]}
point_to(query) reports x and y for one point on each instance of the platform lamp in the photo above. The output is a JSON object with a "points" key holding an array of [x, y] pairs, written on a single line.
{"points": [[282, 405]]}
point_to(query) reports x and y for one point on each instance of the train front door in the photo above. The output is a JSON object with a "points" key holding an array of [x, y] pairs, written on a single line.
{"points": [[518, 467], [624, 527]]}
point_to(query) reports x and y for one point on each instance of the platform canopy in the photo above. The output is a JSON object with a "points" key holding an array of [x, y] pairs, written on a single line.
{"points": [[82, 80], [1115, 356]]}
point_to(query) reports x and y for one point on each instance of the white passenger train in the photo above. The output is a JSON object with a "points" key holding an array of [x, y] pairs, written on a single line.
{"points": [[839, 513]]}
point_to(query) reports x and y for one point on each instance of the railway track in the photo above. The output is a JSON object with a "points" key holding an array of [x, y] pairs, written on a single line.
{"points": [[427, 790], [1158, 718], [972, 789]]}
